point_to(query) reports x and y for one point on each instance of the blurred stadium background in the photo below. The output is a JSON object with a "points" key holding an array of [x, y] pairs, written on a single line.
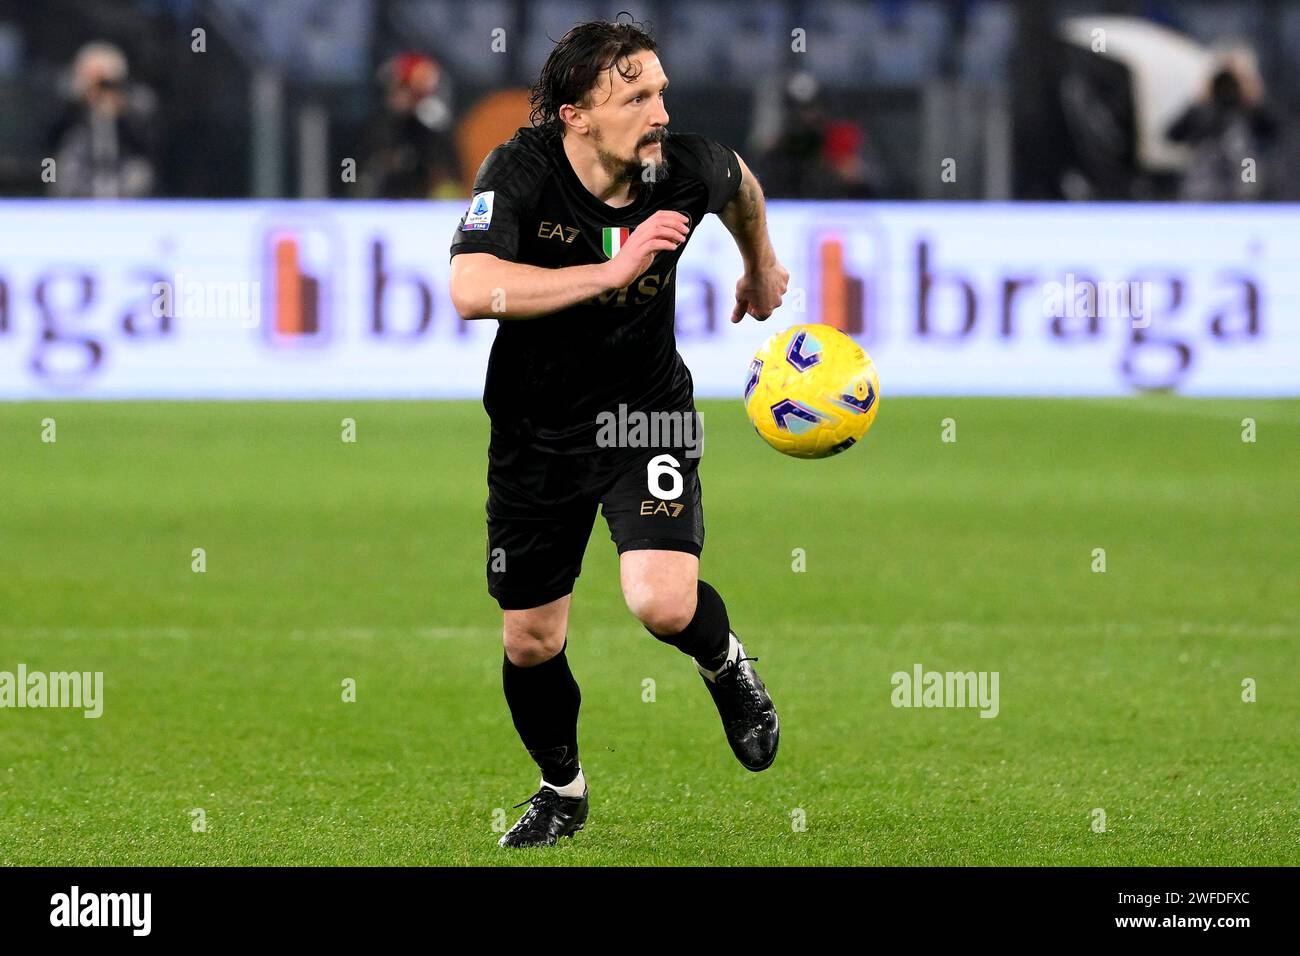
{"points": [[878, 93]]}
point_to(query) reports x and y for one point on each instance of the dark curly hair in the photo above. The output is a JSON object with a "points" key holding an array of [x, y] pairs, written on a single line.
{"points": [[578, 60]]}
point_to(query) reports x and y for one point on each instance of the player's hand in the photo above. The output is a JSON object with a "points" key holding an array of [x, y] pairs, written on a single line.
{"points": [[663, 231], [759, 291]]}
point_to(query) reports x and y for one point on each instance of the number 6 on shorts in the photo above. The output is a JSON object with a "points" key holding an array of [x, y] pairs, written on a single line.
{"points": [[659, 466]]}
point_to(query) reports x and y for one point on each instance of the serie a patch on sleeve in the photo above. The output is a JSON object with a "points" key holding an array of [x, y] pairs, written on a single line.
{"points": [[479, 215]]}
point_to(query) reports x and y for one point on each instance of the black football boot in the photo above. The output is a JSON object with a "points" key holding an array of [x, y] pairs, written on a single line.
{"points": [[549, 817], [748, 716]]}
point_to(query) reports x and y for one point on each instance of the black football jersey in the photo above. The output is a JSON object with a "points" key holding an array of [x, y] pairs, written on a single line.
{"points": [[549, 377]]}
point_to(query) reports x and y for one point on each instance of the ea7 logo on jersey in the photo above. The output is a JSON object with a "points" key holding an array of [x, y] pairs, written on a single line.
{"points": [[479, 215], [553, 230]]}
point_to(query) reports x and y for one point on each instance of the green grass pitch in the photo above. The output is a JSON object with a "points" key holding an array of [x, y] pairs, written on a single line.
{"points": [[325, 560]]}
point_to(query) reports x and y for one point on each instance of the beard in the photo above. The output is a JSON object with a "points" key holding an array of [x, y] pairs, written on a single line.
{"points": [[634, 170]]}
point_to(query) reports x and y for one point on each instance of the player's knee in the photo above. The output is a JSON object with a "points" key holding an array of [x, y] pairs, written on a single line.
{"points": [[529, 643], [663, 613]]}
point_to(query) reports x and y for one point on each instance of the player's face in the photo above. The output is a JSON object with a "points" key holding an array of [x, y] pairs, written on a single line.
{"points": [[628, 122]]}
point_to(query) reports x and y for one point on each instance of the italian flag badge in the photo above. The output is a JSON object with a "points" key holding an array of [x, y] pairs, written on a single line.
{"points": [[612, 239]]}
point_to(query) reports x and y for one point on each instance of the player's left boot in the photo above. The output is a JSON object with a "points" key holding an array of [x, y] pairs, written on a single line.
{"points": [[748, 715], [549, 817]]}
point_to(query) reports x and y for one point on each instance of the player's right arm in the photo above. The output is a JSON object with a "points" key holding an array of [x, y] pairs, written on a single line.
{"points": [[485, 286]]}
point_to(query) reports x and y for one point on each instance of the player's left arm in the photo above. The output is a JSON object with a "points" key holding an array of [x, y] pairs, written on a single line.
{"points": [[759, 290]]}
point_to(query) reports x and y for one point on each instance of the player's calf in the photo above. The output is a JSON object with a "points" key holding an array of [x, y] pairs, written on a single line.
{"points": [[748, 716], [697, 628]]}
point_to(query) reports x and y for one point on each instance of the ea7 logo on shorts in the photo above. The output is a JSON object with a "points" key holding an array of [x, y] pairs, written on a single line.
{"points": [[670, 508], [479, 214]]}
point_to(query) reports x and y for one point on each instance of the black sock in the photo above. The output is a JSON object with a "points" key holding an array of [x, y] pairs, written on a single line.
{"points": [[543, 703], [706, 637]]}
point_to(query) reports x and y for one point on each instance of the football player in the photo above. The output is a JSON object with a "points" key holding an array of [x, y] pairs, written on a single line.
{"points": [[571, 242]]}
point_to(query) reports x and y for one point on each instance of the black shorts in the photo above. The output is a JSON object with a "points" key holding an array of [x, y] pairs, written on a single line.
{"points": [[541, 507]]}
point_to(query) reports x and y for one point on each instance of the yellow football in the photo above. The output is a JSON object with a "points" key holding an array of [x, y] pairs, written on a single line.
{"points": [[811, 391]]}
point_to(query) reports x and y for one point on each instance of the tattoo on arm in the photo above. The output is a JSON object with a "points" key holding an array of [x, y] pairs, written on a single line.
{"points": [[746, 208], [747, 200], [746, 219]]}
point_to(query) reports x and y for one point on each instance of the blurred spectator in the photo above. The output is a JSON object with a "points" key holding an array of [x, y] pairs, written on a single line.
{"points": [[804, 153], [1228, 124], [408, 152], [842, 154], [99, 144]]}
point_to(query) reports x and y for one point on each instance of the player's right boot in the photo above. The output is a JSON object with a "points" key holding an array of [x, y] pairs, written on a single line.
{"points": [[549, 817], [748, 715]]}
